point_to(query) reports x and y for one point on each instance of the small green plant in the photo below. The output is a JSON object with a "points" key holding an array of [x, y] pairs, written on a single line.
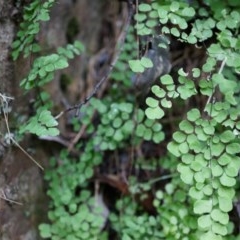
{"points": [[206, 142], [42, 124], [130, 225], [25, 43], [44, 67], [42, 72], [74, 212], [194, 195], [176, 220]]}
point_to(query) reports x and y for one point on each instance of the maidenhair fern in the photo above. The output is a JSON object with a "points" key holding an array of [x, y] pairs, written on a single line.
{"points": [[130, 225], [33, 14], [73, 215], [207, 141], [205, 146], [119, 123], [42, 72], [42, 124], [203, 153], [44, 67]]}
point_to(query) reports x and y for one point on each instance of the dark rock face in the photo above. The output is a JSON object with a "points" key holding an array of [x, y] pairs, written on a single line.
{"points": [[21, 186]]}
